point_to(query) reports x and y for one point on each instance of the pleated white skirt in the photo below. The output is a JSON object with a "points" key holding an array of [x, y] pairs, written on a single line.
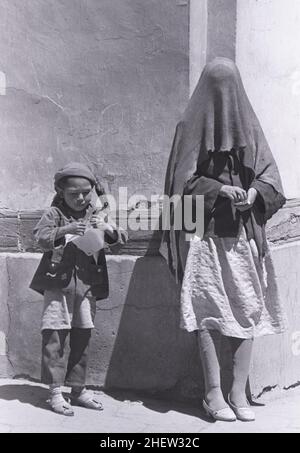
{"points": [[227, 287]]}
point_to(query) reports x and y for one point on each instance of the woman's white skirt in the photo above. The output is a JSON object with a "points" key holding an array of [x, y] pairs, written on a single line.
{"points": [[227, 287]]}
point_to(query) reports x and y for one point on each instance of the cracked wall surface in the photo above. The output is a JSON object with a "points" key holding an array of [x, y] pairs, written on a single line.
{"points": [[91, 81]]}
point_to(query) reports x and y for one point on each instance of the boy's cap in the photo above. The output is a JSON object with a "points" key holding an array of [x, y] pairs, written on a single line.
{"points": [[74, 169]]}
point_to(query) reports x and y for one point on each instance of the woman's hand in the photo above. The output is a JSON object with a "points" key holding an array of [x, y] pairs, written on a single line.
{"points": [[251, 197], [234, 193]]}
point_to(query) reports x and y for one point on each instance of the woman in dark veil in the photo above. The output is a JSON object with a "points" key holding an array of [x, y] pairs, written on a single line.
{"points": [[228, 285]]}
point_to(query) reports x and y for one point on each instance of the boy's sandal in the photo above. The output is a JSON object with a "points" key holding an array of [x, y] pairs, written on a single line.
{"points": [[59, 405], [87, 399]]}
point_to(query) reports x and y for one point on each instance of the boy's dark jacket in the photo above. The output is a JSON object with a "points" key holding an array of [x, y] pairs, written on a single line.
{"points": [[74, 263]]}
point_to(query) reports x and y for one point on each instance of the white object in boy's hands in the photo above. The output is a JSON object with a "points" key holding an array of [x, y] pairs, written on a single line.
{"points": [[90, 242]]}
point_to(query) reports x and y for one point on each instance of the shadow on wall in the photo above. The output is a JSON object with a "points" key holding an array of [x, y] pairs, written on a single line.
{"points": [[150, 351]]}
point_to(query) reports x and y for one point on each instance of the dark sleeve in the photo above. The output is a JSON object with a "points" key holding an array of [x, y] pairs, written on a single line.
{"points": [[202, 185], [46, 230], [268, 199], [120, 236]]}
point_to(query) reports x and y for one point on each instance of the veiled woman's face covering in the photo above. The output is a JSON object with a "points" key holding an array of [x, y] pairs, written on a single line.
{"points": [[219, 117], [223, 123]]}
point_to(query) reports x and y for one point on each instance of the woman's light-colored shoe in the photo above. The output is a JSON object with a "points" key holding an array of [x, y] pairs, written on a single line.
{"points": [[225, 415], [245, 414]]}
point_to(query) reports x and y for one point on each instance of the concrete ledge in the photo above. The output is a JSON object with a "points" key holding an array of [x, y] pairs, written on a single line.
{"points": [[276, 361], [137, 343], [16, 230]]}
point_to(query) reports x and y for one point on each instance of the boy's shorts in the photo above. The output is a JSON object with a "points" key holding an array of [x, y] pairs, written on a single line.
{"points": [[66, 308]]}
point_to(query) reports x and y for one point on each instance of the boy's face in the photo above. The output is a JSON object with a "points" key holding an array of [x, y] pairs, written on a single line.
{"points": [[77, 193]]}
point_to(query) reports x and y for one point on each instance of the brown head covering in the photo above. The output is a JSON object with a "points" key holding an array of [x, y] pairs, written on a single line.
{"points": [[74, 169], [219, 117]]}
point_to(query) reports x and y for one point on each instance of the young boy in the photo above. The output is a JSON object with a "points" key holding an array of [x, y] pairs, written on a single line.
{"points": [[71, 280]]}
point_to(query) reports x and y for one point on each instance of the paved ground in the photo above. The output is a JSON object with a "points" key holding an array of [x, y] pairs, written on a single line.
{"points": [[23, 409]]}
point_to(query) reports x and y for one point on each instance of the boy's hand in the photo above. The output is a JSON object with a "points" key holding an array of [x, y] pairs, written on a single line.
{"points": [[75, 228], [251, 197], [98, 221]]}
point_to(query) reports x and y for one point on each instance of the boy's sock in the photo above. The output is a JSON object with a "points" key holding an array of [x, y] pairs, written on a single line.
{"points": [[58, 402], [54, 389]]}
